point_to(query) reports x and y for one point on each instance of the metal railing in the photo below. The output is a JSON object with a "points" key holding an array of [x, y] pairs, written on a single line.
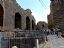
{"points": [[25, 34], [13, 37]]}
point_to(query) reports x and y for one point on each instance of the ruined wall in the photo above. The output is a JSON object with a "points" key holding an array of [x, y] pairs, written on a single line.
{"points": [[10, 9]]}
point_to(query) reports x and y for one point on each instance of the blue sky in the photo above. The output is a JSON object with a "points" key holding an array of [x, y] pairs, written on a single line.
{"points": [[40, 8]]}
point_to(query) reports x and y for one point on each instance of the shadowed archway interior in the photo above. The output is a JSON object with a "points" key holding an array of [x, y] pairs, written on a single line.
{"points": [[33, 25], [17, 20], [1, 15], [27, 23]]}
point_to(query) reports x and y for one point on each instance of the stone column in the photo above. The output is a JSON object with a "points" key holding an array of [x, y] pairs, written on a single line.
{"points": [[37, 43], [4, 14]]}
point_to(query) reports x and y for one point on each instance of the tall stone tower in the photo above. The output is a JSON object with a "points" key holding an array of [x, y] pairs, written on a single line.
{"points": [[57, 10]]}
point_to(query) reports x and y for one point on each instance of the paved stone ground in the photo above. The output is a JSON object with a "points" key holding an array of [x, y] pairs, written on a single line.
{"points": [[53, 42]]}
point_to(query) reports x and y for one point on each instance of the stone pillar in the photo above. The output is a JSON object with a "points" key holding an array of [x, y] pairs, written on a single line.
{"points": [[37, 43], [4, 14]]}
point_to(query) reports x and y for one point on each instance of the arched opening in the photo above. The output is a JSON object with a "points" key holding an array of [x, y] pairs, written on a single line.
{"points": [[1, 15], [17, 20], [27, 23], [33, 25]]}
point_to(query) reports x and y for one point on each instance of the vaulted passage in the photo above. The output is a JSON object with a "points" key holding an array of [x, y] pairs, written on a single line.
{"points": [[1, 15], [27, 23], [17, 20]]}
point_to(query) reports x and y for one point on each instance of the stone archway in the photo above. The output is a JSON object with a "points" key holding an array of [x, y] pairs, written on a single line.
{"points": [[17, 20], [1, 15], [33, 25], [27, 23]]}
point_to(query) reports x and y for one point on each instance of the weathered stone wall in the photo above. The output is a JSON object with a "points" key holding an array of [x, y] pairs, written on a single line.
{"points": [[50, 21], [10, 8], [57, 8]]}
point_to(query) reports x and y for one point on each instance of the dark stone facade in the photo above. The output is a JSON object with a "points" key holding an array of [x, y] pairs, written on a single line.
{"points": [[57, 10]]}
